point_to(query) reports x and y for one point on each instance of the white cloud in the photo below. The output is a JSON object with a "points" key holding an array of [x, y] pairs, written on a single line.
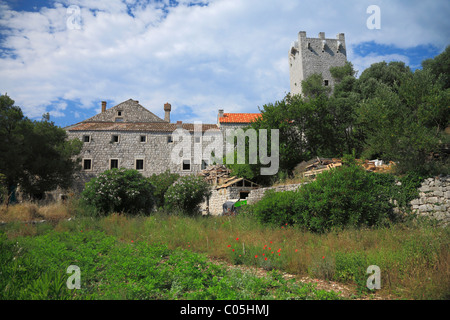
{"points": [[229, 54]]}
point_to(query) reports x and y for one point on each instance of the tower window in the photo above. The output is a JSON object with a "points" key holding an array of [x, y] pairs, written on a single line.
{"points": [[325, 82], [143, 138], [86, 139], [115, 138]]}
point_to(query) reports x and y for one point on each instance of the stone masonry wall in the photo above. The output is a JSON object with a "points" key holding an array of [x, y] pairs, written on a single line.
{"points": [[155, 151], [434, 199], [257, 194]]}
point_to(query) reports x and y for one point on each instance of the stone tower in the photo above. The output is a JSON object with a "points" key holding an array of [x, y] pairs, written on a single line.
{"points": [[315, 55]]}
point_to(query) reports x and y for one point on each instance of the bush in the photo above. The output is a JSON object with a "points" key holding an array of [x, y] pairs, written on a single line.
{"points": [[120, 190], [276, 207], [186, 194], [344, 197], [162, 182]]}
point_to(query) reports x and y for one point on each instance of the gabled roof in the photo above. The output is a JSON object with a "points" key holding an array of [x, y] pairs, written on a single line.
{"points": [[239, 117], [132, 112]]}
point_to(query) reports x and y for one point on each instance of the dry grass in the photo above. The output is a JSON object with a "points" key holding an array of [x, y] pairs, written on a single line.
{"points": [[31, 212]]}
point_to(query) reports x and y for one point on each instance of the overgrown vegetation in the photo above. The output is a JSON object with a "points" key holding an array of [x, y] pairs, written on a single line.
{"points": [[389, 113], [120, 190], [165, 256], [347, 196], [186, 194]]}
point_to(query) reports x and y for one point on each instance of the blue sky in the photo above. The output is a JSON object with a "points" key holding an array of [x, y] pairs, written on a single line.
{"points": [[66, 56]]}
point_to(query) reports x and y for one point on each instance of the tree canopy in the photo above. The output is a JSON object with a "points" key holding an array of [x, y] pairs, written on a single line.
{"points": [[34, 154], [390, 112]]}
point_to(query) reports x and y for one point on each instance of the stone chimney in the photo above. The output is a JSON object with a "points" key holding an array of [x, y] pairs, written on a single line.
{"points": [[220, 113], [179, 124], [103, 106], [167, 109]]}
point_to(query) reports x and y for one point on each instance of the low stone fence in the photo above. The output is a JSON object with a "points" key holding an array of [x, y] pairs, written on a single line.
{"points": [[257, 194], [434, 199]]}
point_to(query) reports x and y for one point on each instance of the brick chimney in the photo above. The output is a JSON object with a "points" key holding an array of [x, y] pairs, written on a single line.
{"points": [[179, 124], [103, 106], [167, 109]]}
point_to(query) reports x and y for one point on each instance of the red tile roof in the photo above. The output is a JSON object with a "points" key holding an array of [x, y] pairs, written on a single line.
{"points": [[239, 117]]}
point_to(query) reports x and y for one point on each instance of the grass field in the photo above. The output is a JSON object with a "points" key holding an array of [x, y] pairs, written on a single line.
{"points": [[175, 257]]}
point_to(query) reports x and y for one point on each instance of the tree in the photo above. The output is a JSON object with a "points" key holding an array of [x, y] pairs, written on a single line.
{"points": [[34, 154]]}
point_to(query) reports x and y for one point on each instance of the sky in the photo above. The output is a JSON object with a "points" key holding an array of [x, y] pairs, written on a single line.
{"points": [[65, 57]]}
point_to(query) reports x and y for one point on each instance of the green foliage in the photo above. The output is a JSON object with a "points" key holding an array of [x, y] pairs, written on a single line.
{"points": [[313, 86], [35, 268], [34, 154], [120, 190], [345, 197], [186, 194], [162, 182]]}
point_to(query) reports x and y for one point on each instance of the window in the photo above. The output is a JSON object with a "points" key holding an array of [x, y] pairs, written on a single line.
{"points": [[87, 139], [325, 82], [119, 113], [119, 119], [169, 139], [87, 164], [186, 165], [115, 138], [143, 138], [139, 164], [243, 194], [204, 164], [114, 163], [197, 139]]}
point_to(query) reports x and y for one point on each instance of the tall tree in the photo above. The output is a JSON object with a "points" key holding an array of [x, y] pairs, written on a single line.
{"points": [[34, 154]]}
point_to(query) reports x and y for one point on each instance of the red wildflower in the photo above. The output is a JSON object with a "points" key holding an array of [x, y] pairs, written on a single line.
{"points": [[265, 258], [229, 245], [256, 256], [237, 239]]}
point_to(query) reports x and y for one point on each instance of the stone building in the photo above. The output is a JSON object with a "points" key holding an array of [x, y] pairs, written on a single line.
{"points": [[308, 56], [130, 136]]}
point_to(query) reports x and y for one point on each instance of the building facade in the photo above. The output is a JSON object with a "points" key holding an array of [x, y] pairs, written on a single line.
{"points": [[130, 136], [309, 56]]}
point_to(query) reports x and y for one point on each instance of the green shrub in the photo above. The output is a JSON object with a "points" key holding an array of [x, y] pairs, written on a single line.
{"points": [[162, 182], [276, 207], [120, 190], [186, 194], [344, 197]]}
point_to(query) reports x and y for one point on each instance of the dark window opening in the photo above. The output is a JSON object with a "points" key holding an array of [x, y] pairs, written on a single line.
{"points": [[204, 164], [115, 138], [169, 139], [243, 194], [186, 164], [114, 164], [325, 82], [143, 138], [139, 164], [86, 138], [87, 164]]}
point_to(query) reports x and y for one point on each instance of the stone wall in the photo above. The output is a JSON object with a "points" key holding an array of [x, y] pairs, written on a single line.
{"points": [[257, 194], [434, 199]]}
